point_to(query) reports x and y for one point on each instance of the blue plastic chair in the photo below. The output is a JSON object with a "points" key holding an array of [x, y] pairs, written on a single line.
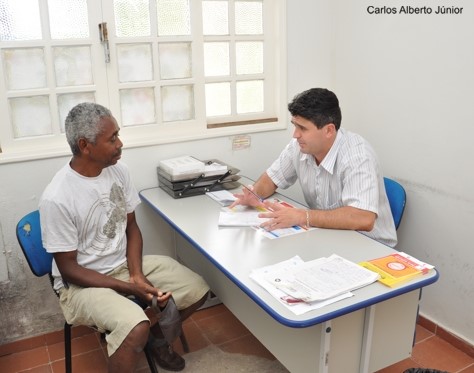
{"points": [[28, 233], [397, 198]]}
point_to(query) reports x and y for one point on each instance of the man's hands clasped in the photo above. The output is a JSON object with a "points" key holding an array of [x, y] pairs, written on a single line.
{"points": [[146, 291]]}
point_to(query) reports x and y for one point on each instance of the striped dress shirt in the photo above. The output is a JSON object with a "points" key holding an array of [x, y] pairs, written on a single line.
{"points": [[349, 175]]}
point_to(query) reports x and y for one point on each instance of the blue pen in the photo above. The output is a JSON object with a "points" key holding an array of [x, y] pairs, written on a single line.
{"points": [[255, 194]]}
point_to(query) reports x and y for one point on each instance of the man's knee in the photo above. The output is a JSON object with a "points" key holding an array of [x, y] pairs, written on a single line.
{"points": [[138, 336]]}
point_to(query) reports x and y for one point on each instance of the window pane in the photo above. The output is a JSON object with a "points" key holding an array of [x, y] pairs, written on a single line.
{"points": [[215, 18], [137, 106], [250, 96], [249, 57], [217, 99], [30, 116], [18, 24], [175, 60], [132, 18], [173, 17], [72, 66], [25, 68], [68, 19], [67, 101], [216, 59], [177, 103], [135, 62], [248, 18]]}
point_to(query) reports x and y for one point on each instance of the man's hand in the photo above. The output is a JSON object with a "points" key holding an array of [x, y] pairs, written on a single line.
{"points": [[146, 291], [247, 198], [281, 216]]}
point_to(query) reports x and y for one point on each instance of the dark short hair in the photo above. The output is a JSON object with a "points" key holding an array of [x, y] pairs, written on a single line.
{"points": [[318, 105]]}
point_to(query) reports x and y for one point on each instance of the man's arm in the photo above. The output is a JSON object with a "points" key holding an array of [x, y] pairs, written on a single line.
{"points": [[134, 248], [345, 217], [73, 273]]}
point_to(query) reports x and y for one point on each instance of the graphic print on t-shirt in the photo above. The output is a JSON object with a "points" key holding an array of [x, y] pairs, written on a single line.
{"points": [[107, 220]]}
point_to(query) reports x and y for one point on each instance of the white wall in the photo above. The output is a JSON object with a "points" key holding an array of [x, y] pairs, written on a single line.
{"points": [[404, 82]]}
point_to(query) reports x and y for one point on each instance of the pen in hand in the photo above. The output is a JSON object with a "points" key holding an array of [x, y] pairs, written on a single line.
{"points": [[253, 193]]}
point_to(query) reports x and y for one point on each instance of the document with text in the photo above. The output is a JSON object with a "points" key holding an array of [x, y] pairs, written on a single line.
{"points": [[244, 216], [297, 306], [321, 279]]}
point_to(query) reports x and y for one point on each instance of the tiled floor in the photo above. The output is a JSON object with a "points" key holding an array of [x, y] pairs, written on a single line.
{"points": [[214, 325]]}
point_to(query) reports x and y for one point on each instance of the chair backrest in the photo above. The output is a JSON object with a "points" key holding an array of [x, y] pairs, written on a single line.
{"points": [[397, 199], [28, 233]]}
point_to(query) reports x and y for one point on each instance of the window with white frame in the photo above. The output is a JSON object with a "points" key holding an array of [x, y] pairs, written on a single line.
{"points": [[169, 70]]}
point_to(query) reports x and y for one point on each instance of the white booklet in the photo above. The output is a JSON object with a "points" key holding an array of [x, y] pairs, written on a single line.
{"points": [[321, 279]]}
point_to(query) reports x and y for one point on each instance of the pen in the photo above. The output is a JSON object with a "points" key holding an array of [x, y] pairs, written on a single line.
{"points": [[254, 194]]}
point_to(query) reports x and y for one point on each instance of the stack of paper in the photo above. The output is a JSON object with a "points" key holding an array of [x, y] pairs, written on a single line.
{"points": [[303, 286], [182, 165], [214, 168]]}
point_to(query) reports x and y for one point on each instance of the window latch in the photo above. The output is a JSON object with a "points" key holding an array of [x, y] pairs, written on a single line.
{"points": [[104, 39]]}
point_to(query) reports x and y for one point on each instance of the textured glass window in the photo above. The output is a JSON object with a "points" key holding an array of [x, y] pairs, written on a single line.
{"points": [[215, 17], [132, 18], [137, 106], [30, 116], [249, 57], [248, 17], [20, 20], [250, 96], [135, 62], [24, 68], [72, 66], [216, 59], [173, 17], [218, 99], [175, 60], [68, 19], [177, 103], [68, 100]]}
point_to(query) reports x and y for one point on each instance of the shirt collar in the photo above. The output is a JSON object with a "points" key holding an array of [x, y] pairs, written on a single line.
{"points": [[330, 159]]}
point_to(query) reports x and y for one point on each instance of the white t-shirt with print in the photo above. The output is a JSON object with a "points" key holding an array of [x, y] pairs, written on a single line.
{"points": [[88, 214]]}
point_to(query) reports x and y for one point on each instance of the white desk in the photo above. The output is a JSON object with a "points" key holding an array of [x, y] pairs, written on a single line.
{"points": [[364, 333]]}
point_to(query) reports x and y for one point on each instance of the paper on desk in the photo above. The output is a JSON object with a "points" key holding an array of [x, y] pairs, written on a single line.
{"points": [[295, 306], [223, 197], [321, 279], [245, 216], [282, 232], [240, 219]]}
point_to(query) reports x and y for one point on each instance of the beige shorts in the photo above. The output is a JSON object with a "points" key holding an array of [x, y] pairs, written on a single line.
{"points": [[113, 313]]}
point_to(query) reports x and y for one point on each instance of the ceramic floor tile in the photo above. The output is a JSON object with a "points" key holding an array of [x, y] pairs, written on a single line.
{"points": [[247, 345], [195, 337], [400, 367], [469, 369], [40, 369], [209, 312], [435, 353], [421, 334], [214, 325], [90, 362], [222, 327], [24, 360]]}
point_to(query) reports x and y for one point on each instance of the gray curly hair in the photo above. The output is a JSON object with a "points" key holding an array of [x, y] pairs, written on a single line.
{"points": [[83, 122]]}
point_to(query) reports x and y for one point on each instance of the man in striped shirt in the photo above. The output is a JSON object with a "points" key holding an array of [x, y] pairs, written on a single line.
{"points": [[338, 172]]}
